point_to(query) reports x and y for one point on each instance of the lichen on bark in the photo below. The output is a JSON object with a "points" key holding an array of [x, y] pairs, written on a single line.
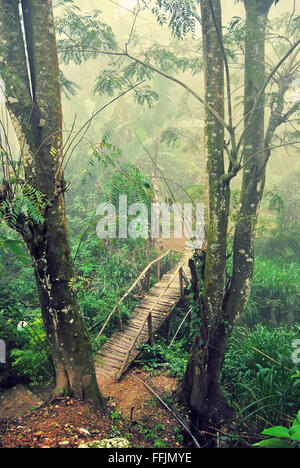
{"points": [[37, 115]]}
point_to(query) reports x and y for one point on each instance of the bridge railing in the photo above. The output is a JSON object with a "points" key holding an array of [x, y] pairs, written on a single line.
{"points": [[146, 276], [148, 319]]}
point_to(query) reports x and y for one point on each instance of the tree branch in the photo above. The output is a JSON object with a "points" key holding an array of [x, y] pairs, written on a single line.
{"points": [[251, 116], [183, 85], [159, 72]]}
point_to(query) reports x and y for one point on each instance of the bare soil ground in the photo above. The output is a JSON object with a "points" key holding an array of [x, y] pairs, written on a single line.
{"points": [[133, 413]]}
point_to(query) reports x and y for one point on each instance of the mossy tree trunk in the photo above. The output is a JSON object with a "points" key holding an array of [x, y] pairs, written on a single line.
{"points": [[34, 103], [201, 386], [253, 154], [221, 305]]}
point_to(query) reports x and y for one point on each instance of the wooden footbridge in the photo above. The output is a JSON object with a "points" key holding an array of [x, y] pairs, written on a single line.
{"points": [[156, 306]]}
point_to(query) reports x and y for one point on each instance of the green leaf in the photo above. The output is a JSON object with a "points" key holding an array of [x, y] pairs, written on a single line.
{"points": [[294, 433], [17, 248], [276, 431], [273, 443]]}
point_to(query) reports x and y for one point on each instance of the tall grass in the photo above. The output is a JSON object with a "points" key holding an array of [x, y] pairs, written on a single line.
{"points": [[275, 296], [261, 389]]}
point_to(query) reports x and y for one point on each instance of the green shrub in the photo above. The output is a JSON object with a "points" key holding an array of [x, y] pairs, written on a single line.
{"points": [[275, 295], [32, 362], [161, 356], [259, 388], [282, 437], [11, 337], [17, 303], [158, 443]]}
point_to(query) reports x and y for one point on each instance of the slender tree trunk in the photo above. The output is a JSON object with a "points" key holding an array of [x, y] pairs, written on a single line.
{"points": [[253, 174], [35, 107], [221, 305], [201, 385]]}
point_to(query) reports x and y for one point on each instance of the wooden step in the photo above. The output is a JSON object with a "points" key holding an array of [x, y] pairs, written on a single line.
{"points": [[160, 302]]}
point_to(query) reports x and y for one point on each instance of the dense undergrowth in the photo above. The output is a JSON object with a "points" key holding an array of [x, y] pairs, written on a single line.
{"points": [[263, 388], [259, 378]]}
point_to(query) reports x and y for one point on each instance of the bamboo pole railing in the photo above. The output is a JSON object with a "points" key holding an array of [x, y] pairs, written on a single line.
{"points": [[145, 273], [148, 318]]}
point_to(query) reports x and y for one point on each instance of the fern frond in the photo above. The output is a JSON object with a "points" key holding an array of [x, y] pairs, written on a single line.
{"points": [[28, 201]]}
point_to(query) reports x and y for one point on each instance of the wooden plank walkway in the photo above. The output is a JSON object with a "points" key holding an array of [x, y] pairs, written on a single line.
{"points": [[120, 350]]}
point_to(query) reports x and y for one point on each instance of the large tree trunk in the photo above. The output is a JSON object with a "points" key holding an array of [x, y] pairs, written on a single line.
{"points": [[35, 106], [201, 385], [221, 306]]}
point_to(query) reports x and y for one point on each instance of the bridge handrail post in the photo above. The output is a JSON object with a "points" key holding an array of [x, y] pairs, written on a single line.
{"points": [[148, 280], [158, 270], [140, 277], [171, 258], [147, 319], [150, 330], [181, 282]]}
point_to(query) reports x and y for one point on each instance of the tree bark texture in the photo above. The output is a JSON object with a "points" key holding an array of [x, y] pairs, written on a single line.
{"points": [[221, 305], [253, 153], [201, 386], [34, 102]]}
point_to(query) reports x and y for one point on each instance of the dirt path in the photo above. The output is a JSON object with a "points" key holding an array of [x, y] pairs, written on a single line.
{"points": [[131, 393], [133, 413]]}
